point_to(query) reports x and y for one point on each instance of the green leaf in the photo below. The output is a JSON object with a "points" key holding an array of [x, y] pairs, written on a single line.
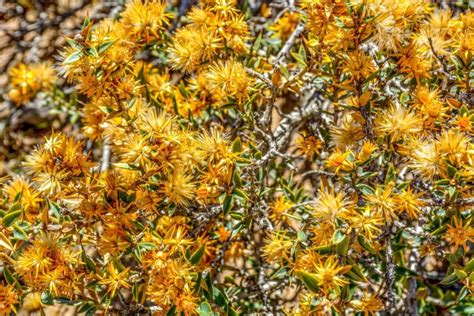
{"points": [[343, 247], [47, 298], [104, 46], [127, 166], [19, 233], [324, 250], [299, 59], [258, 40], [54, 208], [469, 266], [236, 179], [236, 215], [405, 272], [93, 52], [242, 194], [398, 247], [138, 292], [391, 174], [442, 182], [87, 21], [463, 309], [365, 244], [8, 276], [309, 280], [285, 72], [464, 111], [197, 255], [403, 185], [18, 197], [205, 309], [87, 308], [338, 236], [89, 263], [237, 145], [232, 312], [450, 279], [302, 236], [439, 230], [365, 189], [451, 171], [365, 174], [339, 23], [352, 275], [452, 193], [171, 311], [208, 283], [227, 205], [460, 274], [219, 297], [11, 217], [15, 207], [147, 246], [73, 58], [355, 272]]}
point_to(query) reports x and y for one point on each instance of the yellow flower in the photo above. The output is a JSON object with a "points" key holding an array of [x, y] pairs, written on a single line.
{"points": [[191, 47], [463, 122], [369, 304], [409, 203], [228, 80], [171, 284], [328, 273], [46, 265], [340, 161], [216, 27], [277, 247], [279, 209], [383, 201], [114, 280], [28, 197], [429, 106], [8, 299], [367, 149], [459, 234], [214, 147], [145, 20], [425, 159], [323, 233], [365, 222], [175, 239], [347, 132], [308, 145], [398, 122], [179, 188], [136, 150], [358, 65], [32, 302], [285, 25], [330, 206], [57, 162], [307, 260], [412, 65], [148, 200], [453, 145], [27, 80]]}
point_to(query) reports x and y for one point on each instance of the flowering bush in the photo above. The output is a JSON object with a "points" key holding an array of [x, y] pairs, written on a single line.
{"points": [[246, 157]]}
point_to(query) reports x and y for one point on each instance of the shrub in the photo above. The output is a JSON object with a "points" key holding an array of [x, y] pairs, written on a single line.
{"points": [[246, 157]]}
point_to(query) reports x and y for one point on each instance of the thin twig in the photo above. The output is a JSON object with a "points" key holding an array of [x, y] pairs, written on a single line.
{"points": [[260, 76], [390, 273], [289, 43], [105, 157]]}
